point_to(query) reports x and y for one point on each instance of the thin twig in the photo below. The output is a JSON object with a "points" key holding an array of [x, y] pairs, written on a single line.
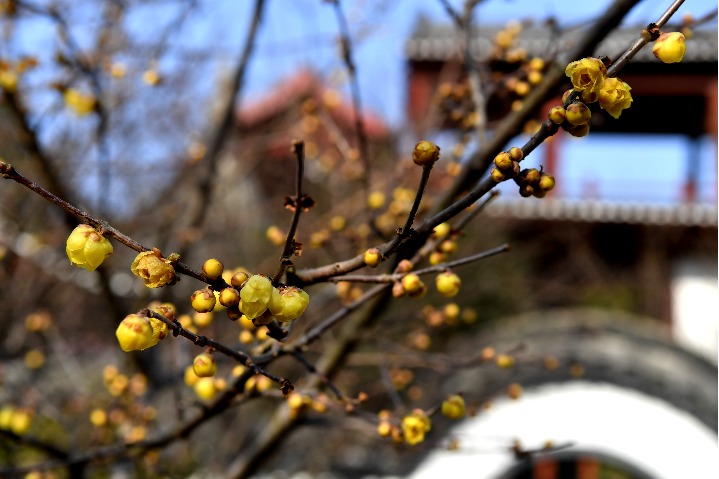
{"points": [[645, 38], [346, 45], [312, 369], [9, 172], [298, 147], [202, 341], [391, 278]]}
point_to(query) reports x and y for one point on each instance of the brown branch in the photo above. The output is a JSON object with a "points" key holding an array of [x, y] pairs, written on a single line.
{"points": [[346, 44], [203, 341], [298, 148], [437, 268], [9, 172], [205, 182]]}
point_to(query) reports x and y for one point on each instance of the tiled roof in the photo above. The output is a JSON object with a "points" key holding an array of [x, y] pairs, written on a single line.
{"points": [[300, 85], [438, 42], [605, 211]]}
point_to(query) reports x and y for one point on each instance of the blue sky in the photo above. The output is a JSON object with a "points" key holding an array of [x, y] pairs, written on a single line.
{"points": [[303, 33], [299, 33]]}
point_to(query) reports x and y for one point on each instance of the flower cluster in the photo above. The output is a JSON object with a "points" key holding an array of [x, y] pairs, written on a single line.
{"points": [[588, 77]]}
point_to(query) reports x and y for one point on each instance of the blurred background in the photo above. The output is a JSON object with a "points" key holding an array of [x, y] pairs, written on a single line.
{"points": [[607, 300]]}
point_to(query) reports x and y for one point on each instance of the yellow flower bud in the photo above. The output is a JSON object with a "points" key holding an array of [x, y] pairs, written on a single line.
{"points": [[503, 161], [376, 200], [288, 303], [557, 114], [155, 271], [516, 153], [229, 297], [190, 377], [578, 113], [239, 279], [135, 333], [453, 407], [546, 182], [21, 421], [8, 80], [212, 268], [203, 300], [448, 284], [415, 426], [497, 175], [372, 257], [255, 295], [441, 230], [204, 365], [614, 96], [586, 74], [670, 47], [412, 284], [80, 103], [205, 388], [425, 153], [504, 361], [87, 248]]}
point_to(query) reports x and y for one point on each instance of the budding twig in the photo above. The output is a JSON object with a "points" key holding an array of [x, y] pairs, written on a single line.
{"points": [[298, 147]]}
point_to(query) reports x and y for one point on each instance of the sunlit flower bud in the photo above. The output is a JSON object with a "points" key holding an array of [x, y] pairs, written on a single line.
{"points": [[135, 333], [536, 64], [87, 248], [239, 279], [288, 303], [413, 285], [546, 182], [255, 295], [155, 271], [205, 388], [80, 103], [425, 153], [535, 77], [504, 361], [212, 268], [229, 297], [531, 176], [614, 96], [372, 257], [203, 300], [670, 47], [503, 161], [454, 407], [497, 175], [204, 365], [578, 113], [586, 74], [376, 200], [557, 115], [441, 230], [21, 421], [516, 153], [448, 246], [415, 426], [437, 257], [448, 284]]}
